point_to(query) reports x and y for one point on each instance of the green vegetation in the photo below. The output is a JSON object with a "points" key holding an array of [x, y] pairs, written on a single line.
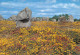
{"points": [[58, 16], [76, 19]]}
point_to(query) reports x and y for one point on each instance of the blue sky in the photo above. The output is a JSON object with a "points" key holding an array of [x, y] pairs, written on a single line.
{"points": [[40, 8]]}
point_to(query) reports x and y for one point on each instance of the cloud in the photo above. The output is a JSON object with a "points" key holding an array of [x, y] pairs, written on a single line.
{"points": [[47, 14], [66, 5], [50, 1], [41, 13], [8, 12], [39, 5], [16, 4], [75, 0], [42, 8], [46, 10], [58, 13]]}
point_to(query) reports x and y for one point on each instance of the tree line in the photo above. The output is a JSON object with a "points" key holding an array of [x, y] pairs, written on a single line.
{"points": [[58, 16]]}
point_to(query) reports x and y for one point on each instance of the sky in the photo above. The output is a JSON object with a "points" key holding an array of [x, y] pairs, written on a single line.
{"points": [[40, 8]]}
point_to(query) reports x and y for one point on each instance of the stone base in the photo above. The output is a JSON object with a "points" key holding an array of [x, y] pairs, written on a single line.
{"points": [[20, 24]]}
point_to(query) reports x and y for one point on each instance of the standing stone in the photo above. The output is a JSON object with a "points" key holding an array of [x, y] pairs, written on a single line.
{"points": [[1, 18], [47, 19], [34, 19], [43, 18], [23, 18], [54, 20], [62, 19], [70, 18], [13, 18], [38, 19]]}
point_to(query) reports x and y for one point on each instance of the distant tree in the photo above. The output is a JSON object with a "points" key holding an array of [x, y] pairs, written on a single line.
{"points": [[58, 16], [62, 15], [55, 17], [79, 19], [50, 19], [75, 19], [66, 15]]}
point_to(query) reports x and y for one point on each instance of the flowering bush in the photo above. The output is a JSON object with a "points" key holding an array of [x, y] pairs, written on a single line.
{"points": [[42, 38]]}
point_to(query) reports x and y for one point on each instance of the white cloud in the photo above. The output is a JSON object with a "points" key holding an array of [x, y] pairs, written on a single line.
{"points": [[59, 13], [74, 5], [47, 14], [65, 5], [50, 1], [39, 5], [8, 4], [41, 13], [75, 0], [16, 4], [45, 10], [8, 12]]}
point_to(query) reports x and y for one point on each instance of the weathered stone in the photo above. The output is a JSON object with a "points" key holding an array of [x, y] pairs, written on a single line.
{"points": [[54, 20], [24, 14], [70, 19], [33, 19], [1, 18], [45, 19], [13, 18], [62, 19], [38, 19], [23, 18], [41, 19], [23, 24]]}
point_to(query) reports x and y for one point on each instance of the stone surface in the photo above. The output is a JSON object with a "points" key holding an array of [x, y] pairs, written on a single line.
{"points": [[70, 18], [1, 18], [40, 19], [24, 14], [45, 19], [23, 18], [62, 19], [33, 19], [13, 18], [20, 24], [54, 20]]}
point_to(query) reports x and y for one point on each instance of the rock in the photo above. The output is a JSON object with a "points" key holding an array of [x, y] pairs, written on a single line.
{"points": [[21, 24], [38, 19], [54, 20], [13, 18], [1, 18], [62, 19], [23, 19], [45, 19], [33, 19], [70, 19]]}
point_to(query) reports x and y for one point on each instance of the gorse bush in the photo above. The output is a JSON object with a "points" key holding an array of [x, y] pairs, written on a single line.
{"points": [[42, 38]]}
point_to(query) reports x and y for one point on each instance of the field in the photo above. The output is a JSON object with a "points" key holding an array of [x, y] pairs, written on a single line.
{"points": [[42, 38]]}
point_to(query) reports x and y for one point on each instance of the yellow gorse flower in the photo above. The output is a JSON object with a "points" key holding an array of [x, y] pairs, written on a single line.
{"points": [[41, 38]]}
